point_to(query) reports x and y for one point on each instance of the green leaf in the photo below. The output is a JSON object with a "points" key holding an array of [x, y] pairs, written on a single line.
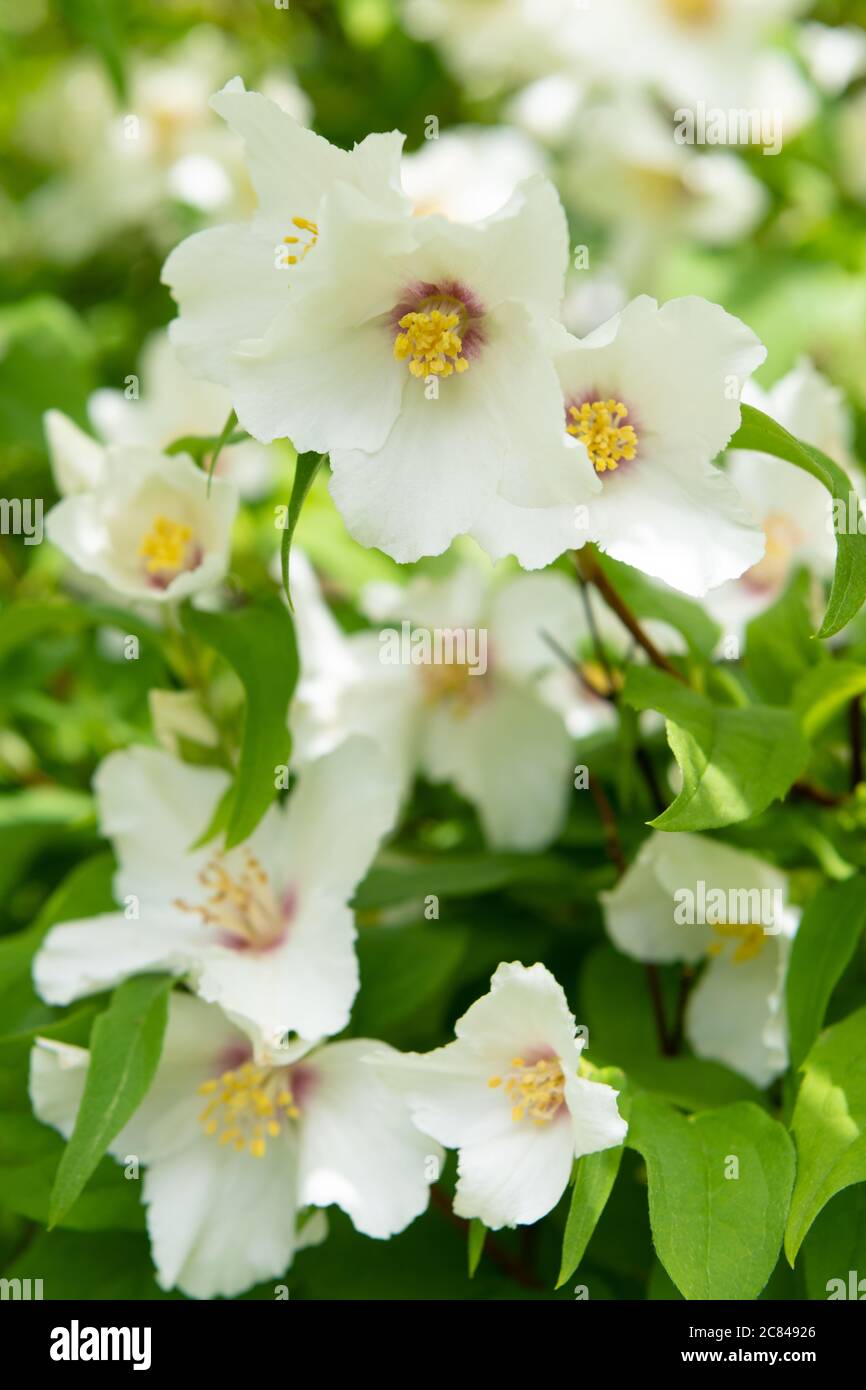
{"points": [[595, 1175], [477, 1237], [46, 355], [108, 1266], [402, 878], [780, 647], [825, 942], [403, 970], [649, 600], [836, 1244], [259, 644], [734, 761], [757, 431], [829, 1124], [306, 469], [717, 1235], [824, 691], [85, 892], [29, 1158], [125, 1047]]}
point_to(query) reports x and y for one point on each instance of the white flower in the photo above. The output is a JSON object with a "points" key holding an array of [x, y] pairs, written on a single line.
{"points": [[654, 394], [494, 716], [232, 283], [736, 1012], [236, 1144], [172, 404], [791, 506], [508, 1095], [469, 172], [428, 376], [714, 52], [139, 521], [622, 167], [263, 929], [493, 42]]}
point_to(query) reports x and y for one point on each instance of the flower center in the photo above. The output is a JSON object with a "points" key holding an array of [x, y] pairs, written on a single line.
{"points": [[692, 11], [241, 904], [455, 682], [303, 243], [782, 538], [248, 1106], [431, 343], [600, 679], [751, 937], [164, 546], [598, 425], [535, 1089]]}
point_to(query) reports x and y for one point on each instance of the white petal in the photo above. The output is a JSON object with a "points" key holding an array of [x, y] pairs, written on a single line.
{"points": [[432, 478], [220, 1221], [343, 806], [639, 911], [447, 1092], [511, 756], [525, 1011], [292, 167], [358, 1146], [536, 536], [153, 808], [595, 1120], [57, 1076], [517, 1177], [306, 985], [736, 1013], [526, 608], [228, 287], [76, 459], [687, 526], [84, 957]]}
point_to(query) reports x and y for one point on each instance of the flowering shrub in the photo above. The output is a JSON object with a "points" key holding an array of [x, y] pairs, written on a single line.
{"points": [[432, 653]]}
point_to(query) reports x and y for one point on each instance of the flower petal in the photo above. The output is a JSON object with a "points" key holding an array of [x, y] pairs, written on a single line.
{"points": [[358, 1146]]}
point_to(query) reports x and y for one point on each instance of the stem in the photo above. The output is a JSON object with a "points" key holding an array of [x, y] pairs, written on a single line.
{"points": [[508, 1263], [687, 979], [590, 570], [655, 987], [611, 830]]}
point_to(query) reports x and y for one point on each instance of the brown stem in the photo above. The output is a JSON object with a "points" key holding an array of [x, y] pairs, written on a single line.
{"points": [[655, 987], [809, 792], [687, 979], [589, 568], [611, 830], [508, 1263]]}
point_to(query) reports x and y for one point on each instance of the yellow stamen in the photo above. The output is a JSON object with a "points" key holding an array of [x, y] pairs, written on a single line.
{"points": [[751, 935], [429, 343], [692, 11], [164, 545], [241, 902], [598, 425], [535, 1089], [249, 1095], [303, 224]]}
